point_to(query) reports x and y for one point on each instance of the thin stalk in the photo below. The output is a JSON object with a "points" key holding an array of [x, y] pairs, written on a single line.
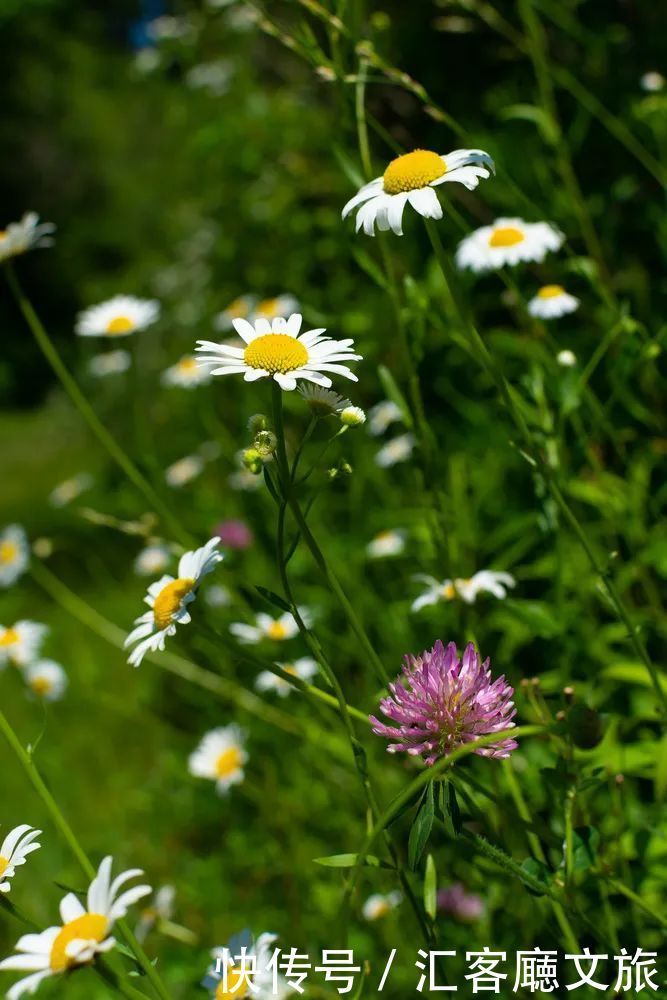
{"points": [[116, 982]]}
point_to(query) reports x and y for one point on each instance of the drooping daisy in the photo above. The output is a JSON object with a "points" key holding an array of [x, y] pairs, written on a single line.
{"points": [[29, 233], [304, 668], [84, 932], [411, 178], [551, 302], [220, 757], [14, 850], [153, 559], [186, 373], [168, 600], [399, 449], [46, 679], [14, 554], [184, 470], [241, 969], [70, 489], [277, 350], [160, 907], [20, 643], [281, 305], [242, 308], [323, 402], [487, 581], [109, 363], [118, 317], [266, 627], [379, 905], [507, 242], [386, 544], [382, 415], [442, 702], [464, 906]]}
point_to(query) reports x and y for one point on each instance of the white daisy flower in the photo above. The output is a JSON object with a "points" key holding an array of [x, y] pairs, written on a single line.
{"points": [[652, 82], [270, 309], [352, 416], [183, 471], [29, 233], [186, 373], [83, 935], [240, 308], [14, 850], [385, 544], [168, 600], [109, 363], [304, 668], [266, 627], [118, 317], [212, 77], [399, 449], [14, 554], [566, 358], [411, 178], [160, 907], [323, 402], [241, 969], [379, 905], [46, 679], [220, 757], [70, 489], [507, 242], [552, 301], [20, 644], [277, 350], [382, 415], [487, 581], [153, 559], [217, 596]]}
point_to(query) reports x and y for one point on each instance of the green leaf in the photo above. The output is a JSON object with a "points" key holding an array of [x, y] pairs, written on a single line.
{"points": [[537, 872], [586, 841], [394, 394], [430, 888], [453, 810], [351, 861], [421, 828], [661, 772], [275, 599], [530, 113], [367, 264], [584, 726]]}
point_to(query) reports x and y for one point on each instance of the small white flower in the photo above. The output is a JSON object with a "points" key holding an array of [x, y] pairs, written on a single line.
{"points": [[378, 905], [220, 756], [46, 679], [83, 935], [385, 544], [20, 644], [507, 242], [186, 373], [212, 77], [168, 600], [229, 975], [304, 668], [323, 402], [277, 350], [270, 309], [14, 554], [266, 627], [29, 233], [399, 449], [217, 596], [109, 363], [70, 489], [152, 559], [118, 317], [168, 27], [352, 416], [160, 907], [411, 179], [652, 82], [382, 415], [183, 471], [14, 850], [566, 358], [551, 302], [485, 581], [240, 308]]}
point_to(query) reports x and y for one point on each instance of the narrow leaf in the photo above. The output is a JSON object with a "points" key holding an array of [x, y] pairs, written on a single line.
{"points": [[430, 888], [421, 828]]}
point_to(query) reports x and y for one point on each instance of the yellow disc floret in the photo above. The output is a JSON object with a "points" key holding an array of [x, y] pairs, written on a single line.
{"points": [[413, 170], [119, 325], [8, 552], [89, 927], [187, 365], [228, 762], [9, 637], [276, 630], [41, 686], [506, 236], [4, 865], [550, 292], [275, 352], [237, 985], [169, 600]]}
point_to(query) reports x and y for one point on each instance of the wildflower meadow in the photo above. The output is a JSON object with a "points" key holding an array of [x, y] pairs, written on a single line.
{"points": [[332, 517]]}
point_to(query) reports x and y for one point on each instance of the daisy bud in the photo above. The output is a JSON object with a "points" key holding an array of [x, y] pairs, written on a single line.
{"points": [[252, 460], [352, 416], [258, 422], [566, 358], [265, 443]]}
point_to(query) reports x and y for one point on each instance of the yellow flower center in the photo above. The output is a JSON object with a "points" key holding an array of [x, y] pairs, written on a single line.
{"points": [[120, 324], [8, 552], [506, 236], [276, 630], [169, 600], [413, 170], [228, 762], [89, 927], [3, 236], [187, 366], [9, 637], [275, 352], [41, 685], [238, 308], [237, 985], [268, 308], [448, 592], [4, 863], [381, 909], [550, 291]]}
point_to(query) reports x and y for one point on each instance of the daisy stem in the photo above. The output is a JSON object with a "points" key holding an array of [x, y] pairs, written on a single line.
{"points": [[117, 983], [536, 458], [27, 763], [72, 389]]}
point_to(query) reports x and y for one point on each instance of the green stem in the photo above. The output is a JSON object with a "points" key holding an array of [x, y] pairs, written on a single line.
{"points": [[117, 983]]}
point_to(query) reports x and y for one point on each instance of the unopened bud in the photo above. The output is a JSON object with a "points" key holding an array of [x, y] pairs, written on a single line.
{"points": [[252, 460], [352, 416], [258, 422], [265, 443]]}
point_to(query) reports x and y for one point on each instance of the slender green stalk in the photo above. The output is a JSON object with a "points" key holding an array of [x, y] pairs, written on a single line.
{"points": [[117, 983], [68, 835], [71, 387]]}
